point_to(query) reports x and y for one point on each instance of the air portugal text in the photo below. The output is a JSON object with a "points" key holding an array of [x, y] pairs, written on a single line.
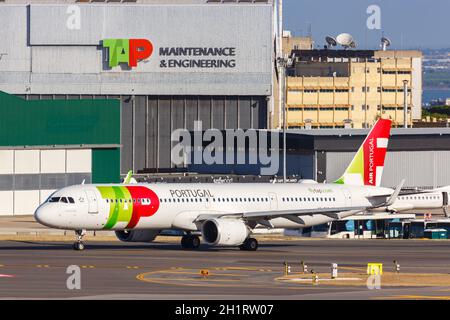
{"points": [[128, 51]]}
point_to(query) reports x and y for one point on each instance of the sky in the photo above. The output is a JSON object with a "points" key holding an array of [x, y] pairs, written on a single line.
{"points": [[410, 24]]}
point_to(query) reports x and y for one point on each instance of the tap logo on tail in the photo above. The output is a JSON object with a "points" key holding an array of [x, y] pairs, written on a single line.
{"points": [[367, 166]]}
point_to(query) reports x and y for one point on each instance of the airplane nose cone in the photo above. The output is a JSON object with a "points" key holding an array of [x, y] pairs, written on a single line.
{"points": [[46, 216]]}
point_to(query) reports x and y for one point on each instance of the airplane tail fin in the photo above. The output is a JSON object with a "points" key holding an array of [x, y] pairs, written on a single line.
{"points": [[129, 178], [367, 166]]}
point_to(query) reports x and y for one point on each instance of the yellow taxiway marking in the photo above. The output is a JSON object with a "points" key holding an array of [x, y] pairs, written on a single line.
{"points": [[416, 297], [88, 267], [198, 279], [243, 268], [198, 273], [353, 268], [142, 277], [42, 266], [132, 267], [201, 282]]}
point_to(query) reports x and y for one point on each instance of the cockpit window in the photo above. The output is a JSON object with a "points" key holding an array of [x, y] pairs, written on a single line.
{"points": [[61, 199]]}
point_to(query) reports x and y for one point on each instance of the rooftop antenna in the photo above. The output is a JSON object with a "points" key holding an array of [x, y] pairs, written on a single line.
{"points": [[385, 43], [331, 41], [346, 40], [309, 29]]}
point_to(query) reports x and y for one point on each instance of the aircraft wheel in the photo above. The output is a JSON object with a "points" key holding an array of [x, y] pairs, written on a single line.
{"points": [[184, 242], [190, 242], [78, 246], [195, 242], [250, 244]]}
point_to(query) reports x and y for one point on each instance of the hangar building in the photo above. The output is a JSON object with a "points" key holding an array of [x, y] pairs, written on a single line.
{"points": [[169, 63]]}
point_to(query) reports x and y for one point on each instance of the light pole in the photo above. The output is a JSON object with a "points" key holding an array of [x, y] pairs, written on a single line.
{"points": [[282, 64], [405, 104]]}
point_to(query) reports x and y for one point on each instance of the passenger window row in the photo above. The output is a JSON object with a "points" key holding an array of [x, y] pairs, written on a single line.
{"points": [[138, 200], [306, 199], [418, 197], [257, 199]]}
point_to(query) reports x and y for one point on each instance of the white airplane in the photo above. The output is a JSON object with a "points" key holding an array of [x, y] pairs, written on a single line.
{"points": [[420, 199], [223, 214]]}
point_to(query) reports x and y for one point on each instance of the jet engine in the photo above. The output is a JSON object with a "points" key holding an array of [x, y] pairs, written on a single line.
{"points": [[137, 235], [224, 232]]}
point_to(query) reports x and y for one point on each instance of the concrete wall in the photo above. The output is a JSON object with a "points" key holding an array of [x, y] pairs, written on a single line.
{"points": [[417, 88], [28, 177]]}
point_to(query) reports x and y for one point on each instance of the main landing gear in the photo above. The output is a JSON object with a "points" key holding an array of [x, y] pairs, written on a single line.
{"points": [[79, 245], [190, 241], [250, 244]]}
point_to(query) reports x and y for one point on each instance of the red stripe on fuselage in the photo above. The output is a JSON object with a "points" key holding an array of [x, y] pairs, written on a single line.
{"points": [[140, 209]]}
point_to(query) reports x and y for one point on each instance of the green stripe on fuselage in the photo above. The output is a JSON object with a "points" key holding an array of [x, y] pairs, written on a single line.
{"points": [[118, 211]]}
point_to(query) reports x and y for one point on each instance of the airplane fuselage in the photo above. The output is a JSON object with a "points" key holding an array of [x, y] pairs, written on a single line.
{"points": [[176, 206]]}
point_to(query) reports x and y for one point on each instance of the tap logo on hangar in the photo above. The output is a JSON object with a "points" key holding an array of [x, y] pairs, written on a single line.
{"points": [[128, 51]]}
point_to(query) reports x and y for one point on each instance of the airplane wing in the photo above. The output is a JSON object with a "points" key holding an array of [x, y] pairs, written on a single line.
{"points": [[335, 213], [295, 214]]}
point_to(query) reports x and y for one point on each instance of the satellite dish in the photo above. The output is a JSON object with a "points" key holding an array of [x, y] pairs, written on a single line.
{"points": [[385, 42], [331, 41], [345, 40]]}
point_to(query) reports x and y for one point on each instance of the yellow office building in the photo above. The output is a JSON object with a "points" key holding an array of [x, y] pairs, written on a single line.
{"points": [[352, 88]]}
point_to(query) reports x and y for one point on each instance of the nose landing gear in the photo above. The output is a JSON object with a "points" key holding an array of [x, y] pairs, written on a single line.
{"points": [[79, 245]]}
